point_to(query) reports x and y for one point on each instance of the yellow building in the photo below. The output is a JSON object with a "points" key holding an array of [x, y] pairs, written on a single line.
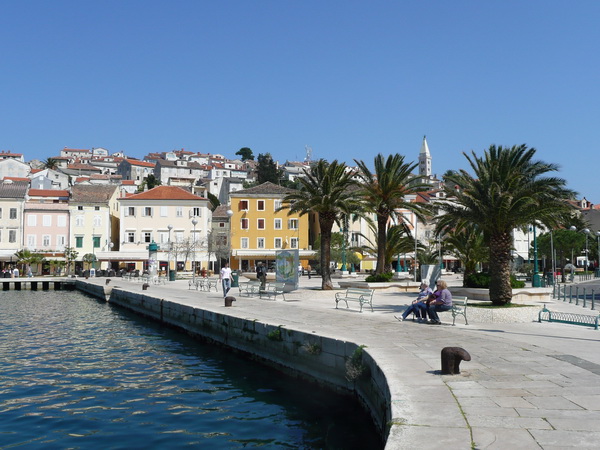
{"points": [[258, 231]]}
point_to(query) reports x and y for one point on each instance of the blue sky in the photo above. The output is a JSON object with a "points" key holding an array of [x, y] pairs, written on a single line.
{"points": [[348, 78]]}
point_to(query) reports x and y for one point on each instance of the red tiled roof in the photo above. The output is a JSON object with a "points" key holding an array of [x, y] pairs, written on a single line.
{"points": [[128, 182], [166, 193], [23, 179], [136, 162], [48, 193]]}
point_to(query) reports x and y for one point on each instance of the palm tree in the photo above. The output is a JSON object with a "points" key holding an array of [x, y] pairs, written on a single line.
{"points": [[50, 163], [398, 240], [385, 193], [466, 242], [325, 191], [508, 190]]}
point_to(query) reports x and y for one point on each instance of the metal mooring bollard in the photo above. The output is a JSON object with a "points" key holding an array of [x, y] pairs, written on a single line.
{"points": [[229, 301], [451, 358]]}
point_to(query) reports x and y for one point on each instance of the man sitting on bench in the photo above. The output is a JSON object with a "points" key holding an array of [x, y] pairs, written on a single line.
{"points": [[418, 306]]}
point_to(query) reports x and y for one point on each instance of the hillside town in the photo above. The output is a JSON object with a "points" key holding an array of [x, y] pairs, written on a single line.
{"points": [[89, 209]]}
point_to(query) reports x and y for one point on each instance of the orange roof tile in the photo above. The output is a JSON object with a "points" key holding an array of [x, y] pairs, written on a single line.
{"points": [[166, 193], [48, 193]]}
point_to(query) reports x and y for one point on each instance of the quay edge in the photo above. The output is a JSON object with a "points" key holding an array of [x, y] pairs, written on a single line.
{"points": [[317, 358]]}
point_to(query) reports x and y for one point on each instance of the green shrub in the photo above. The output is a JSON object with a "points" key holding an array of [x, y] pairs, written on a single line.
{"points": [[482, 280], [379, 278]]}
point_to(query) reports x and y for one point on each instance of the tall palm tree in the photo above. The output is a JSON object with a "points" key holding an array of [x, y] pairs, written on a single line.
{"points": [[385, 192], [325, 190], [507, 190], [399, 240]]}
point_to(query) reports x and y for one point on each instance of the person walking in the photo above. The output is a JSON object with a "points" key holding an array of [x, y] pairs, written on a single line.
{"points": [[308, 269], [226, 279], [261, 275]]}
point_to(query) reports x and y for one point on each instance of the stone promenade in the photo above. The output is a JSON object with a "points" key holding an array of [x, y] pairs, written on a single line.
{"points": [[528, 385]]}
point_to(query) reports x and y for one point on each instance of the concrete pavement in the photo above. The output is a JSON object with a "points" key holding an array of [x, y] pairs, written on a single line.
{"points": [[528, 385]]}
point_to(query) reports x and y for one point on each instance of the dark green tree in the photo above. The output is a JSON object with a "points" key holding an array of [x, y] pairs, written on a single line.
{"points": [[507, 190], [50, 163], [267, 170], [245, 153], [466, 242], [149, 182], [214, 201]]}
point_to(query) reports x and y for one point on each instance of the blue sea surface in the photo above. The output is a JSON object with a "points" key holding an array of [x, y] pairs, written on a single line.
{"points": [[78, 373]]}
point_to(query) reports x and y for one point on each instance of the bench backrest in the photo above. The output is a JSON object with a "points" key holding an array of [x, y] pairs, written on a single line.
{"points": [[359, 291], [460, 301]]}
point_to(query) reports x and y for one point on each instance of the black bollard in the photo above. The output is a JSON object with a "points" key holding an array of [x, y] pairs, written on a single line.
{"points": [[451, 358], [229, 301]]}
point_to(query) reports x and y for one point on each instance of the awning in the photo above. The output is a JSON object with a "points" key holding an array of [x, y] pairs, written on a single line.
{"points": [[268, 253]]}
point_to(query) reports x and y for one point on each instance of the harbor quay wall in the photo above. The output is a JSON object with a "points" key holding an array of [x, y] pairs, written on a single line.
{"points": [[341, 365]]}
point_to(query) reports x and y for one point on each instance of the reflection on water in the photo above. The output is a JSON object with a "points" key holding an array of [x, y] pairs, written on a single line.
{"points": [[77, 373]]}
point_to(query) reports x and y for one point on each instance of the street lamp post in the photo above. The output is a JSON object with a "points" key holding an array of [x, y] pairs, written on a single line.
{"points": [[598, 249], [230, 215], [194, 222], [536, 275], [416, 241], [169, 227], [587, 233]]}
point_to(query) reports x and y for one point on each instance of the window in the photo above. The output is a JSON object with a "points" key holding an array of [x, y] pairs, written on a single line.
{"points": [[61, 242], [196, 212], [47, 220], [221, 224], [245, 224], [96, 241], [147, 211], [96, 208], [179, 211], [31, 220], [260, 205], [260, 242], [31, 241], [46, 240], [0, 235], [12, 235], [147, 236], [80, 208], [292, 224], [13, 213], [294, 243], [130, 211], [97, 221], [260, 223], [79, 221], [277, 204], [243, 205], [278, 224], [163, 237], [277, 242], [78, 241], [131, 237], [0, 213], [163, 211], [244, 243], [61, 221], [179, 236]]}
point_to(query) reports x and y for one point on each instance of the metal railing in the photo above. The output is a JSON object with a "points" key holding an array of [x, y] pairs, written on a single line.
{"points": [[580, 295]]}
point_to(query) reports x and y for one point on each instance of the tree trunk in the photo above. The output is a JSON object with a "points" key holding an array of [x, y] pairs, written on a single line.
{"points": [[381, 243], [500, 258], [326, 226]]}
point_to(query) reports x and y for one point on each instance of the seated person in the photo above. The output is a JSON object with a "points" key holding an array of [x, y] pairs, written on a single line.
{"points": [[418, 306], [440, 300]]}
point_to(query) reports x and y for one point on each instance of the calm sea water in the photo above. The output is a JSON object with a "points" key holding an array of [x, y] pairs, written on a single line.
{"points": [[78, 373]]}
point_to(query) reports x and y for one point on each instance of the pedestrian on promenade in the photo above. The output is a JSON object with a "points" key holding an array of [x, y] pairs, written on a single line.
{"points": [[261, 275], [226, 279], [440, 300], [308, 269], [419, 305]]}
